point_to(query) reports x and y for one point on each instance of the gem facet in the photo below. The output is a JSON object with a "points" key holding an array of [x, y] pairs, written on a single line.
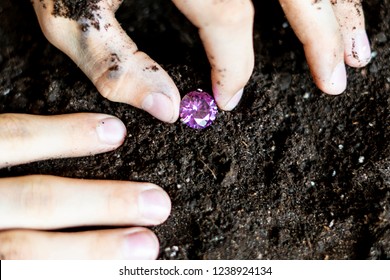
{"points": [[198, 109]]}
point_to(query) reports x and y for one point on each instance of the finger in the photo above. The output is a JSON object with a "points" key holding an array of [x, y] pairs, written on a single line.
{"points": [[357, 51], [316, 26], [133, 243], [27, 138], [95, 41], [225, 28], [48, 202]]}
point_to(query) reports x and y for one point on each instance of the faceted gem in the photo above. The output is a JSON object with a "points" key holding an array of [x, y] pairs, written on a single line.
{"points": [[198, 109]]}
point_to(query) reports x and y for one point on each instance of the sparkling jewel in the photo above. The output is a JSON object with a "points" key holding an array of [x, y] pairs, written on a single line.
{"points": [[198, 109]]}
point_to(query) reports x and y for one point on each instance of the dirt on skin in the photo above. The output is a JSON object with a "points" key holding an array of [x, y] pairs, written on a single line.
{"points": [[85, 10], [291, 173], [75, 9]]}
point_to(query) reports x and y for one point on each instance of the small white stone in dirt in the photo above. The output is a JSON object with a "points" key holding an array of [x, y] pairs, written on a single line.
{"points": [[175, 248], [179, 186], [6, 91], [172, 251], [331, 223], [188, 180], [173, 254], [374, 54], [217, 238], [341, 147], [334, 173], [306, 95], [312, 183], [285, 24], [361, 159]]}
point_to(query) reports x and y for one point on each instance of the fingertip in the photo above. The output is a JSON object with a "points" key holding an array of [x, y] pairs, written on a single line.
{"points": [[161, 107], [111, 131], [226, 30], [231, 103], [141, 244], [357, 49], [336, 83], [228, 86], [154, 204]]}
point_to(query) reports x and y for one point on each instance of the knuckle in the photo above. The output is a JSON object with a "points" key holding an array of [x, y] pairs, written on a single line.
{"points": [[106, 241], [36, 200], [106, 88], [235, 12], [14, 132], [13, 245], [13, 127], [122, 202]]}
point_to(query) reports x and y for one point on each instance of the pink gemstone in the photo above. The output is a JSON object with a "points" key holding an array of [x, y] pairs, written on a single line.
{"points": [[198, 109]]}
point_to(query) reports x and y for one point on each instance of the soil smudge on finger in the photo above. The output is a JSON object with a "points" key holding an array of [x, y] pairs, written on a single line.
{"points": [[78, 10]]}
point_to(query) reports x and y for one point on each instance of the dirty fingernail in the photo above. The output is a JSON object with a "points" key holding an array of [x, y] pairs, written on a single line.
{"points": [[361, 49], [141, 245], [159, 105], [234, 101], [111, 131], [155, 205], [338, 79]]}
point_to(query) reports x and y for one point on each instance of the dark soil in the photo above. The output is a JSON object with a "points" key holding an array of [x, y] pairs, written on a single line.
{"points": [[292, 173]]}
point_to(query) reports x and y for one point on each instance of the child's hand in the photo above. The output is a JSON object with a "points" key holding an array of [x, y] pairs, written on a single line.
{"points": [[332, 33], [99, 46], [31, 205]]}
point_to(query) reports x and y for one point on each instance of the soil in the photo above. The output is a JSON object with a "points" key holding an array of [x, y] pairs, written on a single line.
{"points": [[291, 173]]}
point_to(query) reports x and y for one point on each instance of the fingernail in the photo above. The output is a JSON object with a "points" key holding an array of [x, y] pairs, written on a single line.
{"points": [[338, 79], [141, 245], [111, 131], [361, 49], [234, 101], [154, 205], [159, 105]]}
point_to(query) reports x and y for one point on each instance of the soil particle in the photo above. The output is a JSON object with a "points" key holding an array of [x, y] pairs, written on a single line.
{"points": [[381, 37], [152, 68], [114, 68], [114, 62], [42, 2], [354, 52], [106, 26]]}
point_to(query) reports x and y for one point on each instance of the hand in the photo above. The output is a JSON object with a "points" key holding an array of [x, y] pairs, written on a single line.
{"points": [[332, 32], [95, 41], [31, 205]]}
